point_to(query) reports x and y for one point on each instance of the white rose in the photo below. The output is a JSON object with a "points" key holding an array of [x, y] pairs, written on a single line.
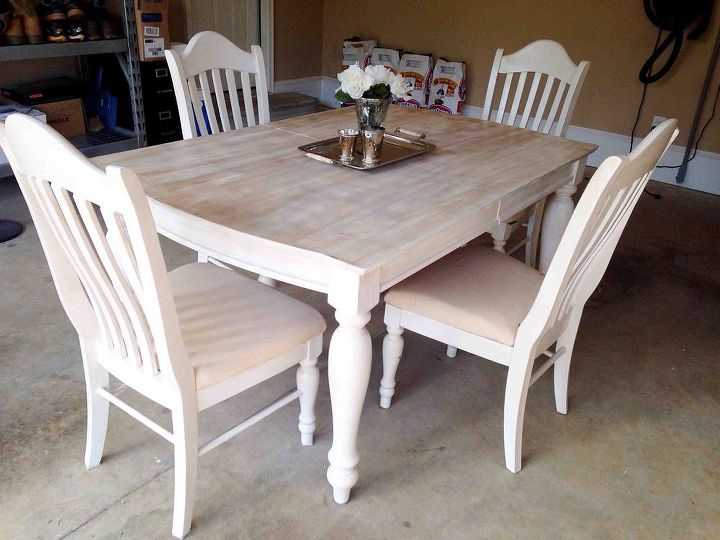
{"points": [[379, 74], [354, 81], [398, 88]]}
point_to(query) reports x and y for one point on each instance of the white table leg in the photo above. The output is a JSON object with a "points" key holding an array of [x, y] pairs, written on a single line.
{"points": [[348, 373], [558, 211]]}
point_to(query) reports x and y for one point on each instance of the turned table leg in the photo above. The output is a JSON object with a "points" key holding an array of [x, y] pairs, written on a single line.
{"points": [[558, 211], [348, 373]]}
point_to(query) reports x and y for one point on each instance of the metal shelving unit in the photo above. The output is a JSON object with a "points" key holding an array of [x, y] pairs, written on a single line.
{"points": [[125, 50], [56, 50]]}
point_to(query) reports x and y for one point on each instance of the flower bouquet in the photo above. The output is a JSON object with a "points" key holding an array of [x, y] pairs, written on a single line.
{"points": [[371, 89]]}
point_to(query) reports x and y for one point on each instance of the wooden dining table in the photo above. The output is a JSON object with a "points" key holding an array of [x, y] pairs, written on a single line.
{"points": [[250, 198]]}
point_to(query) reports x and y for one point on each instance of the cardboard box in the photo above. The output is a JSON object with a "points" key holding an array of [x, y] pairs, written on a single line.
{"points": [[447, 92], [66, 117], [153, 31]]}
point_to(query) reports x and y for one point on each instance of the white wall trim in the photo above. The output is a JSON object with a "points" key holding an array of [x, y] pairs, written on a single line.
{"points": [[703, 173]]}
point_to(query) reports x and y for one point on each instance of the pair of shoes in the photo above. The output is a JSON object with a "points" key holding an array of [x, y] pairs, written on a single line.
{"points": [[23, 26], [63, 20], [100, 24]]}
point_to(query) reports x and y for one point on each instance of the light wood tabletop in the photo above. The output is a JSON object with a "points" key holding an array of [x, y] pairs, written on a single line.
{"points": [[250, 198]]}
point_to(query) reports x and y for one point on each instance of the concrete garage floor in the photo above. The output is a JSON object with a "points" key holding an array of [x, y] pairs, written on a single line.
{"points": [[638, 455]]}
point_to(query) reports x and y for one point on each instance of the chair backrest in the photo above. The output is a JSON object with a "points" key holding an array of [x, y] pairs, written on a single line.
{"points": [[552, 69], [103, 251], [593, 233], [209, 56]]}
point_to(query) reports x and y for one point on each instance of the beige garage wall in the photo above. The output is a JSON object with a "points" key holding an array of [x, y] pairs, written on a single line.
{"points": [[614, 35], [298, 38]]}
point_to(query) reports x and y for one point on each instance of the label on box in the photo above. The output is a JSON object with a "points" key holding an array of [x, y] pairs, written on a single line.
{"points": [[152, 31], [154, 47], [151, 17]]}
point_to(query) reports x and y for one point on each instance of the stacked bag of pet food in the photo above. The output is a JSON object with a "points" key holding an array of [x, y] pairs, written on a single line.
{"points": [[448, 90], [356, 51], [439, 88]]}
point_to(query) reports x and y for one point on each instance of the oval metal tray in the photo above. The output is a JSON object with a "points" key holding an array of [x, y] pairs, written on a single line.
{"points": [[395, 148]]}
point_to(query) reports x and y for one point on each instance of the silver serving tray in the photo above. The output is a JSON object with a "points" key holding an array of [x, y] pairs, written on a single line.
{"points": [[396, 147]]}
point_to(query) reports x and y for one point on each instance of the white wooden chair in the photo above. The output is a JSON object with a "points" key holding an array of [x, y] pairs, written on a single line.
{"points": [[211, 56], [494, 306], [187, 339], [542, 64], [207, 57], [551, 68]]}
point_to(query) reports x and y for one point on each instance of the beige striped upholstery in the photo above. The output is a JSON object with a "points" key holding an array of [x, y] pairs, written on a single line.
{"points": [[475, 289], [231, 323]]}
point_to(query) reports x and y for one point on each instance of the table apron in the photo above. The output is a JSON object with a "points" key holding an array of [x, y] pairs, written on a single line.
{"points": [[535, 191], [270, 259]]}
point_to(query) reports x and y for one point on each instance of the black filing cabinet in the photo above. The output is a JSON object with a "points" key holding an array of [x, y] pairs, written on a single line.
{"points": [[162, 123]]}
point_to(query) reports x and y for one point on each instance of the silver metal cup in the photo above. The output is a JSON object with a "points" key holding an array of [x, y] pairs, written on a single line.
{"points": [[372, 140], [346, 140]]}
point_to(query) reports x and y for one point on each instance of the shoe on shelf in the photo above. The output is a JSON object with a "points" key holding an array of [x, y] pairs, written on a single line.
{"points": [[104, 21], [25, 11], [53, 17], [75, 26], [14, 34], [93, 30]]}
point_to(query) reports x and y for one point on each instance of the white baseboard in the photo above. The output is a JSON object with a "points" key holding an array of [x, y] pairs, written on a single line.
{"points": [[703, 172]]}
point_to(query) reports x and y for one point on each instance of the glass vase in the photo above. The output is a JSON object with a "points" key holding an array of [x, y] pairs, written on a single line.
{"points": [[371, 113]]}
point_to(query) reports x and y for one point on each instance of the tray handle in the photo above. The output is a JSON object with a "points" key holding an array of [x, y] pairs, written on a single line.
{"points": [[410, 133]]}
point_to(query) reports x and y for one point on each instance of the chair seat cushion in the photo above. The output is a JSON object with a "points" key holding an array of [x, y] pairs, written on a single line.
{"points": [[475, 289], [231, 323]]}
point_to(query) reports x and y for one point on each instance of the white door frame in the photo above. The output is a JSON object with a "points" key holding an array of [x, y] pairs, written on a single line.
{"points": [[267, 39]]}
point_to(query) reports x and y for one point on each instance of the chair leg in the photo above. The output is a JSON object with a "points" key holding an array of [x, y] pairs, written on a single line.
{"points": [[561, 368], [533, 234], [501, 234], [516, 388], [308, 380], [451, 351], [392, 351], [185, 435], [97, 408]]}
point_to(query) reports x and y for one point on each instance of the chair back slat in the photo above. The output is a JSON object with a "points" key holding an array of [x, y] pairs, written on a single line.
{"points": [[530, 102], [540, 112], [234, 101], [195, 119], [549, 120], [207, 95], [594, 230], [543, 57], [97, 230], [211, 52], [504, 98], [518, 96], [247, 95], [50, 204], [220, 96]]}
